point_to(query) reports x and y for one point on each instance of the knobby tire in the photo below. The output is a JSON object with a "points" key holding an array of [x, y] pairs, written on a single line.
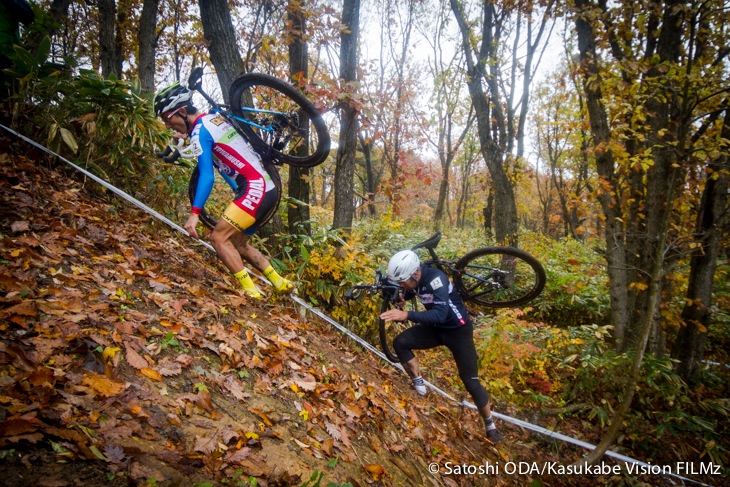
{"points": [[288, 99], [386, 340], [499, 277]]}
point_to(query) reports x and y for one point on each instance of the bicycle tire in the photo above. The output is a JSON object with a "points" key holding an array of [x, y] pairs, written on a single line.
{"points": [[205, 218], [308, 144], [485, 277], [383, 329], [391, 329]]}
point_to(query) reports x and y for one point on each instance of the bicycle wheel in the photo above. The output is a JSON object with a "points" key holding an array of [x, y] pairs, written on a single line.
{"points": [[279, 120], [205, 217], [389, 330], [499, 277]]}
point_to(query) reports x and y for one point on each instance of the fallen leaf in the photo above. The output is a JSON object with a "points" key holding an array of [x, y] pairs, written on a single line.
{"points": [[375, 470], [114, 454], [134, 359], [102, 385], [14, 427], [267, 421], [26, 308], [301, 444], [239, 455], [306, 385], [206, 445], [168, 368], [20, 226], [178, 304], [151, 373], [333, 431], [184, 359], [235, 387], [42, 375], [110, 352], [160, 284]]}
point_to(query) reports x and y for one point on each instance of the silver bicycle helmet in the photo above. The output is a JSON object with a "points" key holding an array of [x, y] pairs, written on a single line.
{"points": [[171, 98], [402, 265]]}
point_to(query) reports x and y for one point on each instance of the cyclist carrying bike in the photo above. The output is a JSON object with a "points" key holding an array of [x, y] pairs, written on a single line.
{"points": [[444, 322], [214, 143]]}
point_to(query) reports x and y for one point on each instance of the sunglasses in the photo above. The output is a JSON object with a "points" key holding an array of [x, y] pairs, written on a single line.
{"points": [[172, 113]]}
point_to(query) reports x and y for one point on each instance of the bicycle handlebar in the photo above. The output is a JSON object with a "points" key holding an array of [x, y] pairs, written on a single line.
{"points": [[170, 156], [356, 291]]}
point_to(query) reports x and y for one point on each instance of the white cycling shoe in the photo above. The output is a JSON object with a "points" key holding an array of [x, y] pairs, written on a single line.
{"points": [[420, 386]]}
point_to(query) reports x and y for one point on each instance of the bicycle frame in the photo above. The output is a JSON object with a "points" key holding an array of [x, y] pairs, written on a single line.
{"points": [[195, 83]]}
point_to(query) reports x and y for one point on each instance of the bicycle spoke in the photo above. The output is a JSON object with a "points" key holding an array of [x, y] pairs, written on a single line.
{"points": [[279, 120], [497, 279]]}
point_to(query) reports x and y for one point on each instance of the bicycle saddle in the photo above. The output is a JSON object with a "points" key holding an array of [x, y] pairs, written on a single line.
{"points": [[431, 243]]}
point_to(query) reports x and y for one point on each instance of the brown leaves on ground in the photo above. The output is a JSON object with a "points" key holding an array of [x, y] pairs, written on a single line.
{"points": [[122, 344]]}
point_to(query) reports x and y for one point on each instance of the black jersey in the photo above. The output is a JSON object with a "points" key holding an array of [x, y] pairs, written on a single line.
{"points": [[444, 306]]}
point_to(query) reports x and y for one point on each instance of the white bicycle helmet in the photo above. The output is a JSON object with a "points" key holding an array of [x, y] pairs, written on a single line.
{"points": [[170, 98], [402, 265]]}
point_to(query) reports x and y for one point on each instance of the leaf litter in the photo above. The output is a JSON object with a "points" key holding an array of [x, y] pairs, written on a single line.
{"points": [[127, 357]]}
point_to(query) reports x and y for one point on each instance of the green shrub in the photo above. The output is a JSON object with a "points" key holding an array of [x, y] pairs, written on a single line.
{"points": [[105, 125], [576, 291]]}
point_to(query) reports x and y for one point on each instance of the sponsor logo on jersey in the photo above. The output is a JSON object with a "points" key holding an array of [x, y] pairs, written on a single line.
{"points": [[254, 194], [227, 137], [222, 154]]}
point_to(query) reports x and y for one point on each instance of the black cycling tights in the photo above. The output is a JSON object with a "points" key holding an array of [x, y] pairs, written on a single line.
{"points": [[460, 341]]}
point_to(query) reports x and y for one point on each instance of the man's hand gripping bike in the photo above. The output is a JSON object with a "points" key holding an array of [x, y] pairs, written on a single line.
{"points": [[496, 277]]}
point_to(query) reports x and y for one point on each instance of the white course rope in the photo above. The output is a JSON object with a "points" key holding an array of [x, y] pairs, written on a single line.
{"points": [[646, 468]]}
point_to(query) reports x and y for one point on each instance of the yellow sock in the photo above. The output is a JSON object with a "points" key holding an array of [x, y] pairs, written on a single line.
{"points": [[273, 276], [279, 283], [247, 284]]}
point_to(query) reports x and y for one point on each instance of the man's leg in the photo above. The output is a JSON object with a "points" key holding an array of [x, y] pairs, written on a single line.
{"points": [[461, 345], [257, 259], [221, 238], [417, 337]]}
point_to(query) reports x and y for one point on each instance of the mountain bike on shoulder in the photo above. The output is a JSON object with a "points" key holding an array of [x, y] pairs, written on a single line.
{"points": [[495, 277], [278, 120]]}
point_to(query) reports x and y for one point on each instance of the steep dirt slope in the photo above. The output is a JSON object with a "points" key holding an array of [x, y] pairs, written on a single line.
{"points": [[128, 357]]}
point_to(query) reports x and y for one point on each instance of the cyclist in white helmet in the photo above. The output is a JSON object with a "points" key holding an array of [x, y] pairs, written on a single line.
{"points": [[215, 144], [445, 322]]}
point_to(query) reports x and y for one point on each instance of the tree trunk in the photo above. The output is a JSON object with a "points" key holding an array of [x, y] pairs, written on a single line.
{"points": [[487, 212], [438, 214], [689, 345], [614, 233], [366, 145], [147, 45], [107, 49], [122, 14], [345, 169], [488, 107], [636, 238], [221, 38], [298, 211]]}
